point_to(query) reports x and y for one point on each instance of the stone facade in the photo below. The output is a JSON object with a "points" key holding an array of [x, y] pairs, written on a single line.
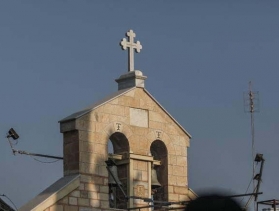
{"points": [[144, 137], [137, 116], [149, 153]]}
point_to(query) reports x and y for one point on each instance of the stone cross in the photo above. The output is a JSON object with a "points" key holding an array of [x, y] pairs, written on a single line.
{"points": [[131, 45]]}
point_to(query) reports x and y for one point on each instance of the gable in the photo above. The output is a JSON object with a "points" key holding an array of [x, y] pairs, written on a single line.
{"points": [[118, 103]]}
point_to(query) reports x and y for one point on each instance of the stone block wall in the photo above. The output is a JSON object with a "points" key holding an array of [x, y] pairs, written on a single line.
{"points": [[71, 152], [140, 182], [141, 119], [92, 192]]}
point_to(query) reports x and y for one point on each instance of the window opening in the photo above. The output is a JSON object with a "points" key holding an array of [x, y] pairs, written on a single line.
{"points": [[159, 152], [118, 144]]}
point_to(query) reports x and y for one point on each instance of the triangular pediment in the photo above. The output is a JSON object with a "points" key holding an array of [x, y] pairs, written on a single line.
{"points": [[133, 97]]}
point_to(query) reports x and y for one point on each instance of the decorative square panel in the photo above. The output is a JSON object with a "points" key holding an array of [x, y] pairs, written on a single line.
{"points": [[138, 117]]}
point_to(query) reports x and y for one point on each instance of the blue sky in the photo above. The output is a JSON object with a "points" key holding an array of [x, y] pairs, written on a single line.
{"points": [[57, 57]]}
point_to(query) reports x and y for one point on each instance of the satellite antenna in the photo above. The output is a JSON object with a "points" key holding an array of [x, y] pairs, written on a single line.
{"points": [[13, 134]]}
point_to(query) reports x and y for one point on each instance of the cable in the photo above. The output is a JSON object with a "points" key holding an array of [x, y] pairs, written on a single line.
{"points": [[15, 142], [10, 201], [44, 161], [247, 188]]}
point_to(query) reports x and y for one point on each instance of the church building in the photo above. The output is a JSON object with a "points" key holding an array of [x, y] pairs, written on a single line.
{"points": [[124, 152]]}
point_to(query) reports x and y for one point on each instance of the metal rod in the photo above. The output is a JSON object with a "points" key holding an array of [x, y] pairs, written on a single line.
{"points": [[109, 170], [134, 208], [259, 181], [159, 202], [241, 195], [250, 198], [142, 198], [8, 137], [29, 153], [175, 208], [36, 154]]}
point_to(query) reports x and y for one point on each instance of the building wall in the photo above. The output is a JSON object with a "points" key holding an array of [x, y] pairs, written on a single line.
{"points": [[142, 121]]}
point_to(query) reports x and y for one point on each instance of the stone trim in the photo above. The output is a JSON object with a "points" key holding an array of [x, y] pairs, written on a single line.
{"points": [[180, 126], [141, 157]]}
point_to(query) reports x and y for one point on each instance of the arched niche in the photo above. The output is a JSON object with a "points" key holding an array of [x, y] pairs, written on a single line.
{"points": [[159, 152], [118, 144]]}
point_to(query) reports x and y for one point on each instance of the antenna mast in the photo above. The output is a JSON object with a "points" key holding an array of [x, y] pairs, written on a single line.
{"points": [[251, 99], [251, 103]]}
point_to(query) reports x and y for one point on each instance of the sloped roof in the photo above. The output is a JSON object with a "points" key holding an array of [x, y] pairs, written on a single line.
{"points": [[4, 206], [112, 97], [53, 193], [96, 105]]}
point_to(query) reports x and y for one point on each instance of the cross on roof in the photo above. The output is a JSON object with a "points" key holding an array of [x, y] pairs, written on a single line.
{"points": [[131, 45]]}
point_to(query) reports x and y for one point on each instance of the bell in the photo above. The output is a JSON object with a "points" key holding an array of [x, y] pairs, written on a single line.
{"points": [[154, 181], [113, 171]]}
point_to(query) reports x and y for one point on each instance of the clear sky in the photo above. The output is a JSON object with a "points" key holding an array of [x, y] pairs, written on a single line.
{"points": [[58, 57]]}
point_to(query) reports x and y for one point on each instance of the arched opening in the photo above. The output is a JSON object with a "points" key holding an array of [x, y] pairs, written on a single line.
{"points": [[118, 144], [159, 152]]}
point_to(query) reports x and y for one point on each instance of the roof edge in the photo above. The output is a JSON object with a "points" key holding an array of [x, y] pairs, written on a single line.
{"points": [[52, 194], [196, 195], [112, 97], [96, 105], [185, 131]]}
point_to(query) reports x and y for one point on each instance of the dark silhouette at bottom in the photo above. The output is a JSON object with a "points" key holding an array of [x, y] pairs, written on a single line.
{"points": [[213, 202]]}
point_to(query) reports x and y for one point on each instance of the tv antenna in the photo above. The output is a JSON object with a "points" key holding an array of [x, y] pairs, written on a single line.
{"points": [[251, 105], [12, 134]]}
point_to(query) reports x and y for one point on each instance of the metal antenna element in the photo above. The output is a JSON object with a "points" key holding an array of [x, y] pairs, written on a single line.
{"points": [[109, 164], [258, 177], [251, 105]]}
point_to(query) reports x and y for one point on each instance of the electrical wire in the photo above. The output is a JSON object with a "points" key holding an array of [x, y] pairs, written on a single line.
{"points": [[247, 188], [10, 201], [15, 142], [30, 154], [44, 161]]}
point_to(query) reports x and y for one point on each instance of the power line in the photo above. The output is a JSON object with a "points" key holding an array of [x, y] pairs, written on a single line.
{"points": [[9, 200], [44, 161], [247, 188]]}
